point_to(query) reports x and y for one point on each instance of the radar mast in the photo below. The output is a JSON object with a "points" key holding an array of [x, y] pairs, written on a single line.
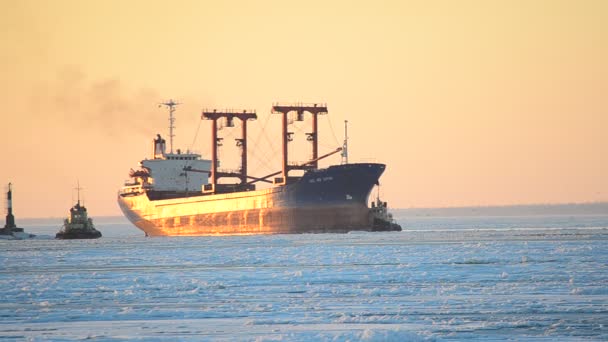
{"points": [[345, 145], [77, 188], [171, 105]]}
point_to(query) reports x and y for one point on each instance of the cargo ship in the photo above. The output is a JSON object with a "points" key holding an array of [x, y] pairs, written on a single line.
{"points": [[177, 193]]}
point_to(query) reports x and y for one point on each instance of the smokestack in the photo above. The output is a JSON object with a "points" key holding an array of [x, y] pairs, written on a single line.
{"points": [[159, 147]]}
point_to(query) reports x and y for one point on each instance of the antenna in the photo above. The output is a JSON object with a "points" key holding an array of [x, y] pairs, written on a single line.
{"points": [[78, 188], [345, 145], [171, 105]]}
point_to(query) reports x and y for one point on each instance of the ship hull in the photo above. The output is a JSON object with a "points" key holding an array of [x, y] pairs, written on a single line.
{"points": [[332, 200], [77, 235]]}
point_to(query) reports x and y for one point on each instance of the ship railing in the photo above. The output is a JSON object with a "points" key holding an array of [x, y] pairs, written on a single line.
{"points": [[229, 171], [197, 152], [228, 110], [131, 182], [299, 104], [364, 160], [300, 163], [130, 190], [187, 153]]}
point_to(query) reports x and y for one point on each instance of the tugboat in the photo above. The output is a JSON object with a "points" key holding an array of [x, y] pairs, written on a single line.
{"points": [[78, 225], [10, 230], [383, 220]]}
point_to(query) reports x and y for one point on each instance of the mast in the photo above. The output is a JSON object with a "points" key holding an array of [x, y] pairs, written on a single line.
{"points": [[345, 145], [171, 105], [78, 188], [214, 115], [314, 109]]}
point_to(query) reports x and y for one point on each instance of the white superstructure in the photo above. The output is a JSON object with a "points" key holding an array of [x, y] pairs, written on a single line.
{"points": [[175, 171]]}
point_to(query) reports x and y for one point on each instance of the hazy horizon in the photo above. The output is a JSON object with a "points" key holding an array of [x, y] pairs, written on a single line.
{"points": [[587, 208], [469, 103]]}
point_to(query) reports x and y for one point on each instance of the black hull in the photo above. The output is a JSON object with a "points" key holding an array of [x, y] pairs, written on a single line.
{"points": [[73, 235], [332, 200]]}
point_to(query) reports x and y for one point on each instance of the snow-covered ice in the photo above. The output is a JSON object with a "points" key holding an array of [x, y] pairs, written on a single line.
{"points": [[440, 279]]}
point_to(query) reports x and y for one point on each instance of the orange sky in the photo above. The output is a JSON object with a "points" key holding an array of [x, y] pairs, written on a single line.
{"points": [[468, 102]]}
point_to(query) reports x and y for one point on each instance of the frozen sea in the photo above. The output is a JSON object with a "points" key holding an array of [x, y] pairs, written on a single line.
{"points": [[493, 278]]}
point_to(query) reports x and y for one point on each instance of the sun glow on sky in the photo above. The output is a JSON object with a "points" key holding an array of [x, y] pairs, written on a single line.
{"points": [[467, 102]]}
